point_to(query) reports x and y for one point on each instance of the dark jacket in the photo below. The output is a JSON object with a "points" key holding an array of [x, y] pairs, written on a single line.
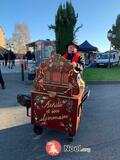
{"points": [[28, 55], [11, 55], [6, 56]]}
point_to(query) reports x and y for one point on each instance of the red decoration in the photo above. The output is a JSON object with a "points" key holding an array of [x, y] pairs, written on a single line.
{"points": [[57, 96]]}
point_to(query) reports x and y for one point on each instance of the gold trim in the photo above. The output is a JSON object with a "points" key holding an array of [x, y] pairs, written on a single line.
{"points": [[76, 97], [52, 94], [50, 84]]}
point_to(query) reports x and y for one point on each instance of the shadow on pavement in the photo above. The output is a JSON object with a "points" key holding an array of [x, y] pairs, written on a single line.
{"points": [[21, 143]]}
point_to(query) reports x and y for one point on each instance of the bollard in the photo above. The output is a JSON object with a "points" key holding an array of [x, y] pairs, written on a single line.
{"points": [[22, 72], [22, 69], [25, 64]]}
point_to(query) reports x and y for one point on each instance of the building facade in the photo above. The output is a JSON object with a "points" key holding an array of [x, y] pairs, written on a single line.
{"points": [[2, 40]]}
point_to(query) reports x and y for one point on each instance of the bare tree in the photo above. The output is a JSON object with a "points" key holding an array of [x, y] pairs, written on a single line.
{"points": [[20, 38]]}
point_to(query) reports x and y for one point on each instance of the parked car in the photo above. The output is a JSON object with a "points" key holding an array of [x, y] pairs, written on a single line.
{"points": [[102, 59]]}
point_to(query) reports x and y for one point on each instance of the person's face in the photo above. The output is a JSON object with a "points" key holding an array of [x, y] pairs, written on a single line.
{"points": [[70, 48], [75, 49]]}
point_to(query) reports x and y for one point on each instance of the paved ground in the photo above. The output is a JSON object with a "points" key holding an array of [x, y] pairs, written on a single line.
{"points": [[99, 128], [9, 108], [15, 69]]}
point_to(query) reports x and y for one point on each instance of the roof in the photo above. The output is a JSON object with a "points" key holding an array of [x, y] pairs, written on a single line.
{"points": [[86, 46], [32, 44]]}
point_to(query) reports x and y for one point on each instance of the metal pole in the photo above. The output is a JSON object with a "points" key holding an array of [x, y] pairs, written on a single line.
{"points": [[109, 65], [22, 72]]}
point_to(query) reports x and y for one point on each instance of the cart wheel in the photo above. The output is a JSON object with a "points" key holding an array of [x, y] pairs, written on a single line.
{"points": [[70, 138], [37, 129]]}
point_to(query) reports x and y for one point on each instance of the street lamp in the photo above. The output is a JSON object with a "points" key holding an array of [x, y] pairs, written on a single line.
{"points": [[110, 36]]}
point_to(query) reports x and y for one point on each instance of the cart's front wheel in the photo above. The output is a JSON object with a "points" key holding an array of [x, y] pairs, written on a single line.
{"points": [[37, 129]]}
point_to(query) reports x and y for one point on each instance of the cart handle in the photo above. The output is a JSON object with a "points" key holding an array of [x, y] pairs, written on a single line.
{"points": [[85, 96]]}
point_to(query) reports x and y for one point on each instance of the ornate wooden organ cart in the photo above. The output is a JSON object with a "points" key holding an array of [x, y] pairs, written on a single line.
{"points": [[57, 99]]}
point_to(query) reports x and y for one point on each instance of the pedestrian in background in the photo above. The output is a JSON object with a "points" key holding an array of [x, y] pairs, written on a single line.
{"points": [[33, 56], [6, 58], [2, 81], [11, 58], [28, 56], [1, 58]]}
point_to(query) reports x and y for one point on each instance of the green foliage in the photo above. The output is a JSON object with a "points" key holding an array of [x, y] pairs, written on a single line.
{"points": [[116, 30], [64, 27]]}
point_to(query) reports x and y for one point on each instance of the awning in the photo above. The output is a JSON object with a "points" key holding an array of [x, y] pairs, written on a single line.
{"points": [[86, 46]]}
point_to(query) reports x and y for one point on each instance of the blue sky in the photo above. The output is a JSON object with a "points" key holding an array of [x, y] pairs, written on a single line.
{"points": [[96, 16]]}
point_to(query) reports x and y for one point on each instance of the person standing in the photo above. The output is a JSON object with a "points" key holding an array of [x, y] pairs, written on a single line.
{"points": [[11, 58], [6, 58], [2, 81], [1, 59], [33, 56], [28, 56]]}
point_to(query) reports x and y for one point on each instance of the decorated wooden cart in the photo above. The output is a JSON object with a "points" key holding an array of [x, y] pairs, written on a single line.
{"points": [[56, 101]]}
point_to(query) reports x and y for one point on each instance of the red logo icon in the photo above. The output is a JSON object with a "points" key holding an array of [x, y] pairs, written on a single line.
{"points": [[53, 148]]}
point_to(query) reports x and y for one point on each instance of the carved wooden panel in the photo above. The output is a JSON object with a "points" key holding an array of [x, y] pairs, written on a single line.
{"points": [[58, 75]]}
